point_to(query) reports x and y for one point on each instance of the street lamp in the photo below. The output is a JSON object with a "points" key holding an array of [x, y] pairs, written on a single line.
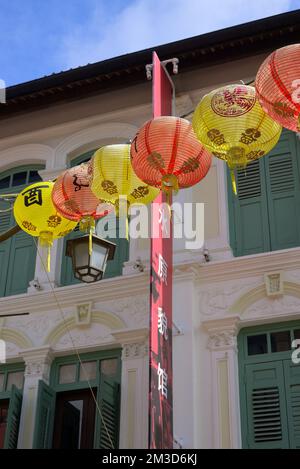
{"points": [[88, 267]]}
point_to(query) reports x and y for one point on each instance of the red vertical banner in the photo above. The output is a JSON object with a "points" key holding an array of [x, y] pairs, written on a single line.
{"points": [[160, 338]]}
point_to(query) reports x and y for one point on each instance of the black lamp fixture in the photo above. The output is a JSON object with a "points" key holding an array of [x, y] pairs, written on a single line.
{"points": [[88, 267]]}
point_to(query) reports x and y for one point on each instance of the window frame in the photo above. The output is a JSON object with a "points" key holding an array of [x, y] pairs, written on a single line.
{"points": [[10, 368]]}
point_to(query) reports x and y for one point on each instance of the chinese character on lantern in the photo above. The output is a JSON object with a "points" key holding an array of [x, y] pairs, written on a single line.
{"points": [[162, 269], [162, 323], [162, 381], [33, 196]]}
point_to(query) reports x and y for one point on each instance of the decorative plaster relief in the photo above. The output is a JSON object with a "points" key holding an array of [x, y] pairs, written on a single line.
{"points": [[135, 350], [12, 350], [97, 334], [270, 306], [274, 283], [222, 340], [37, 326], [218, 300], [36, 369], [134, 311], [83, 314]]}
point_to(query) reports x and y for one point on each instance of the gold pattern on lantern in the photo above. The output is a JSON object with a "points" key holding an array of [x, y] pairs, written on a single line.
{"points": [[250, 136], [155, 160], [139, 192], [109, 187]]}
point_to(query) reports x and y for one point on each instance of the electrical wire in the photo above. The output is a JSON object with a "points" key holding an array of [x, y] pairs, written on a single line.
{"points": [[74, 346]]}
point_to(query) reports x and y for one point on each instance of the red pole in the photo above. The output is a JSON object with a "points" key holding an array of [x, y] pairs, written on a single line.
{"points": [[160, 337]]}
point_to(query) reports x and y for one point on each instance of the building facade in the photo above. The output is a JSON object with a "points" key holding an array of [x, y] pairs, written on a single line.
{"points": [[76, 373]]}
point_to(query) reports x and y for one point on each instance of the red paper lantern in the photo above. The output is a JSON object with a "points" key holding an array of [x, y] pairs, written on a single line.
{"points": [[278, 86], [74, 199], [166, 153]]}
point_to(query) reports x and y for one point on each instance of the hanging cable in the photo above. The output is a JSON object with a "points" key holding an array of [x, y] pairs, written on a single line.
{"points": [[74, 346]]}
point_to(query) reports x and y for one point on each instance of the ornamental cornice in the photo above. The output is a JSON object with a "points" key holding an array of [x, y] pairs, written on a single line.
{"points": [[248, 266], [137, 284], [110, 289]]}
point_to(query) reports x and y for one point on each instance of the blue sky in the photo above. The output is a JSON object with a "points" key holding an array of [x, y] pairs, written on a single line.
{"points": [[40, 37]]}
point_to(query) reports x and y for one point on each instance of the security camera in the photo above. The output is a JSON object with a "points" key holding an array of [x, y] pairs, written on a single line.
{"points": [[206, 255], [36, 284], [138, 265]]}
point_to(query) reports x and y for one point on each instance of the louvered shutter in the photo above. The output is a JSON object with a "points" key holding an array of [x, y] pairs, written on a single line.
{"points": [[21, 263], [44, 419], [107, 436], [13, 419], [115, 266], [248, 214], [292, 384], [266, 406], [67, 277], [283, 192], [5, 224]]}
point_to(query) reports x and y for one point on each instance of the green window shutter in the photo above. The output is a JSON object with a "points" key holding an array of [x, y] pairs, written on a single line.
{"points": [[13, 419], [107, 425], [21, 264], [292, 383], [266, 419], [17, 254], [67, 277], [44, 419], [248, 215], [115, 266], [5, 224], [283, 190]]}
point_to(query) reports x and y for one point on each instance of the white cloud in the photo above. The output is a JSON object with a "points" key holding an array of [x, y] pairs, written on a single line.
{"points": [[146, 23]]}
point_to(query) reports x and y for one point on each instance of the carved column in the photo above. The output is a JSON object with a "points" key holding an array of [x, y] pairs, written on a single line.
{"points": [[222, 343], [134, 388], [37, 367]]}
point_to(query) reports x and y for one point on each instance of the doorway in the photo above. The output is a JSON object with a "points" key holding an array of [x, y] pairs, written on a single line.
{"points": [[74, 422]]}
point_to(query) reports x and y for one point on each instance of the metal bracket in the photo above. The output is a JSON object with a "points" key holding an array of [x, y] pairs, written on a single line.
{"points": [[176, 329], [174, 61]]}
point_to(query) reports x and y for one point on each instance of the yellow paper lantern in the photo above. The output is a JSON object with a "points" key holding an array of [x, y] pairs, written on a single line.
{"points": [[232, 125], [113, 177], [36, 215]]}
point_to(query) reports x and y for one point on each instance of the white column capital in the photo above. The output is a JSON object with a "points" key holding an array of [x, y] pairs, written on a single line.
{"points": [[37, 362], [222, 333], [134, 392], [134, 343]]}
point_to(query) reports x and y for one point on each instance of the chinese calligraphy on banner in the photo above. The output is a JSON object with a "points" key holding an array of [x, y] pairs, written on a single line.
{"points": [[161, 392]]}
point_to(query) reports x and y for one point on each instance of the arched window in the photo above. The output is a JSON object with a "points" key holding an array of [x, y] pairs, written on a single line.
{"points": [[18, 253], [114, 267]]}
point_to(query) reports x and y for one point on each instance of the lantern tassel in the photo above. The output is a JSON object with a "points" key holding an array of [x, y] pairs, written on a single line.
{"points": [[233, 181], [169, 185], [46, 240], [49, 258], [91, 240]]}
